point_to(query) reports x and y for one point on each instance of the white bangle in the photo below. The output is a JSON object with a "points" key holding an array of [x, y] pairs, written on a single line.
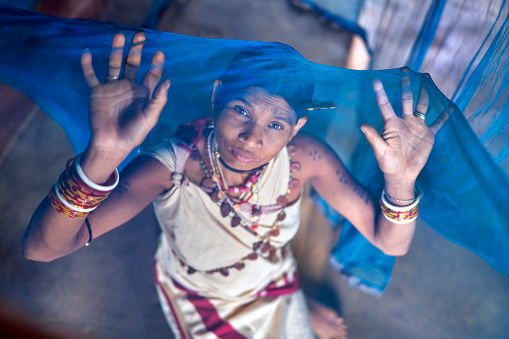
{"points": [[399, 214], [77, 209], [400, 208], [90, 182]]}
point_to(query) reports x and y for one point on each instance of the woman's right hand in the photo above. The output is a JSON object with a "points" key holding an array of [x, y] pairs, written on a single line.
{"points": [[122, 113]]}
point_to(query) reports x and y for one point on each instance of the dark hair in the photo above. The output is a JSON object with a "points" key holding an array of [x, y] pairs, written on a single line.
{"points": [[275, 67]]}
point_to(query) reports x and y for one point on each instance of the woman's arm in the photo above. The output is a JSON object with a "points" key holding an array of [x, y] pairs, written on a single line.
{"points": [[121, 115], [51, 235], [401, 152], [346, 195]]}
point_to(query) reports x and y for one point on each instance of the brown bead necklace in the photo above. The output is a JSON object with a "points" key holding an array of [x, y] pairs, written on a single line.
{"points": [[215, 182]]}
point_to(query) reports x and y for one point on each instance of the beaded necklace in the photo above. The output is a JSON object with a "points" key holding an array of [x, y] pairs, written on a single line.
{"points": [[214, 180]]}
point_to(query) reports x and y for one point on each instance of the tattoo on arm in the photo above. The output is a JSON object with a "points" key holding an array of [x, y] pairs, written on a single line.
{"points": [[123, 187], [362, 195], [315, 155], [342, 178], [360, 192]]}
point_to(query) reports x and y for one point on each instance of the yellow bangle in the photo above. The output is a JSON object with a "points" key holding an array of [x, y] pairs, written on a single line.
{"points": [[399, 214]]}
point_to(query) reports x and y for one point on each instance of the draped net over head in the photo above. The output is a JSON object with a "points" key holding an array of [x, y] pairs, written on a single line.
{"points": [[464, 189]]}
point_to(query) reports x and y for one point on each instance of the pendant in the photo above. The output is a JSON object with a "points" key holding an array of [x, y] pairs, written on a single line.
{"points": [[236, 207], [254, 227], [252, 256], [215, 196], [207, 182], [239, 265], [265, 247], [294, 166], [225, 209], [291, 149], [215, 177], [224, 271], [282, 200], [254, 197], [257, 245], [272, 254], [190, 270], [274, 232], [294, 183], [281, 216], [235, 221], [221, 194]]}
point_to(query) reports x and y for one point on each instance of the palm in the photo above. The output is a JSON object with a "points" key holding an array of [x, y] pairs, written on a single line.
{"points": [[117, 114], [406, 142], [121, 112]]}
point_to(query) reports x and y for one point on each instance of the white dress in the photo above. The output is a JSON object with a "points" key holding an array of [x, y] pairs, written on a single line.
{"points": [[263, 299]]}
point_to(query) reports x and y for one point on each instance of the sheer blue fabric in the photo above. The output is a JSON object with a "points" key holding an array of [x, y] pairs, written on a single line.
{"points": [[463, 187]]}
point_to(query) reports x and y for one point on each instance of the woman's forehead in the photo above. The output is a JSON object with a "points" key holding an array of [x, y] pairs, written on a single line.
{"points": [[256, 96]]}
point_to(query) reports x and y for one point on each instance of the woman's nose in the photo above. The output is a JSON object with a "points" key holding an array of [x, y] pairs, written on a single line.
{"points": [[251, 134]]}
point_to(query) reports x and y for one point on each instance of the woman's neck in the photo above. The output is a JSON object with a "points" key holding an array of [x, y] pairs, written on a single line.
{"points": [[233, 178]]}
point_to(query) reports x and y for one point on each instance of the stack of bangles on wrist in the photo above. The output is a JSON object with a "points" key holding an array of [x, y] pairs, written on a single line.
{"points": [[74, 195], [400, 214]]}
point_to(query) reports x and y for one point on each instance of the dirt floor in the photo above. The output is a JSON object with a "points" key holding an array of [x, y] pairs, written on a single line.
{"points": [[106, 290]]}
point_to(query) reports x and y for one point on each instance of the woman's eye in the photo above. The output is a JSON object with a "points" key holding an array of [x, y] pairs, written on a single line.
{"points": [[276, 126], [240, 110]]}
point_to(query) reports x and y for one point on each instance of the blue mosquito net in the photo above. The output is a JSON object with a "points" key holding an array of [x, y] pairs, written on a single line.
{"points": [[465, 183]]}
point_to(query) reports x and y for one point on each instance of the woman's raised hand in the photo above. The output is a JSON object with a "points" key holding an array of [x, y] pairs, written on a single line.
{"points": [[122, 113], [406, 142]]}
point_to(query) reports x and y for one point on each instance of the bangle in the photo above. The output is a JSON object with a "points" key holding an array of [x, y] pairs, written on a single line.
{"points": [[74, 195], [61, 208], [68, 205], [416, 196], [92, 184], [399, 214]]}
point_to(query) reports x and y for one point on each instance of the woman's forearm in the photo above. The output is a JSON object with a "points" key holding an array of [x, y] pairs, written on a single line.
{"points": [[51, 234], [392, 238]]}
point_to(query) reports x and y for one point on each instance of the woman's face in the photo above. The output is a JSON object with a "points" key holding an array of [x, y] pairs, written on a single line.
{"points": [[253, 128]]}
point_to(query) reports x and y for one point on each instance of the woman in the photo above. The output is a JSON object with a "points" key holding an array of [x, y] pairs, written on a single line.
{"points": [[227, 195]]}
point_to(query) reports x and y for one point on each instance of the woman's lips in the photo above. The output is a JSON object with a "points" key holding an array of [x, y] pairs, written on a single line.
{"points": [[243, 156]]}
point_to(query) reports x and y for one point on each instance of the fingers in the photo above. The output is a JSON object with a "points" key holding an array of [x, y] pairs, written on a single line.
{"points": [[155, 72], [407, 99], [382, 100], [156, 104], [439, 122], [88, 70], [375, 140], [115, 61], [132, 63], [422, 101]]}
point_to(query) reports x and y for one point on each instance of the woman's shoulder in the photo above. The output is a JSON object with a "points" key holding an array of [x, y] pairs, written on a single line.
{"points": [[307, 147], [312, 154]]}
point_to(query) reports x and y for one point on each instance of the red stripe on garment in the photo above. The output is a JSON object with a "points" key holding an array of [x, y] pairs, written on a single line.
{"points": [[168, 301], [289, 287], [210, 317]]}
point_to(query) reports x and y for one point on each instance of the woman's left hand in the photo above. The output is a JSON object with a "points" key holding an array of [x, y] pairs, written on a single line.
{"points": [[406, 142]]}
